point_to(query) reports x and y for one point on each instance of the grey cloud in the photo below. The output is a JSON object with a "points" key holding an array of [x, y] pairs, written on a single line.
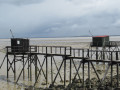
{"points": [[20, 2], [31, 18]]}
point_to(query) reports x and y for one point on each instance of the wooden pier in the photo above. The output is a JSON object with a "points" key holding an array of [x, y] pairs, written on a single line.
{"points": [[89, 57]]}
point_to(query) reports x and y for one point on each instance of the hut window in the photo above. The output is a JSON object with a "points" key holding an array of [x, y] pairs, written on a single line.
{"points": [[18, 42]]}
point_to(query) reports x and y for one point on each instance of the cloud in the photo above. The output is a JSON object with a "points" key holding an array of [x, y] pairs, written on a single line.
{"points": [[20, 2], [49, 18]]}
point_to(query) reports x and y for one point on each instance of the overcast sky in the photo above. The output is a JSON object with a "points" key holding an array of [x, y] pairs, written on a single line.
{"points": [[59, 18]]}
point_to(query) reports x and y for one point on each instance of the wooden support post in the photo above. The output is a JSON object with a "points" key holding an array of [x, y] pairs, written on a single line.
{"points": [[64, 72], [104, 67], [55, 50], [38, 49], [60, 50], [70, 70], [117, 70], [14, 67], [42, 49], [83, 53], [74, 52], [89, 74], [30, 67], [117, 75], [7, 66], [83, 73], [88, 54], [23, 68], [78, 52], [111, 70], [97, 55], [103, 55], [70, 51], [51, 70], [117, 56], [64, 58], [36, 67], [51, 67], [46, 67]]}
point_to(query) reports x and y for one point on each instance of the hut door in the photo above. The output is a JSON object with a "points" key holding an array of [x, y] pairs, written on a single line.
{"points": [[18, 42]]}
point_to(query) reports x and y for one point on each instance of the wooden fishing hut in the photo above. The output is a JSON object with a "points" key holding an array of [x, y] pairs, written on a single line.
{"points": [[100, 41], [19, 45]]}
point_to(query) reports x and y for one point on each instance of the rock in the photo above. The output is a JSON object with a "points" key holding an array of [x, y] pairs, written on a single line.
{"points": [[101, 88], [99, 71], [60, 86], [90, 89], [76, 80], [118, 88], [49, 89], [44, 83], [38, 89], [79, 89], [67, 80]]}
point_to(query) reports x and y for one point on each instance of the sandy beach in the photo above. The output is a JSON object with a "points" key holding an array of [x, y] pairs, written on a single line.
{"points": [[74, 42]]}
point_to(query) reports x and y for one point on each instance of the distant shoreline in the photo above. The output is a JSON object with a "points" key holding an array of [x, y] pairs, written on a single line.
{"points": [[61, 36]]}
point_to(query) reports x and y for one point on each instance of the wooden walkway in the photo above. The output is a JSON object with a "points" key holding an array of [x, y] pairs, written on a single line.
{"points": [[66, 53]]}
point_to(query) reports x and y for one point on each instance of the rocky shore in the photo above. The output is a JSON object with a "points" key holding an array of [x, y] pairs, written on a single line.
{"points": [[92, 84]]}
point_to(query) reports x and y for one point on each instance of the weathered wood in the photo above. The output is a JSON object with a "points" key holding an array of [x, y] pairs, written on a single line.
{"points": [[83, 55]]}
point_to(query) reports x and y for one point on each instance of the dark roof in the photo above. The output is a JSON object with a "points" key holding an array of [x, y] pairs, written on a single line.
{"points": [[101, 36], [18, 38]]}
